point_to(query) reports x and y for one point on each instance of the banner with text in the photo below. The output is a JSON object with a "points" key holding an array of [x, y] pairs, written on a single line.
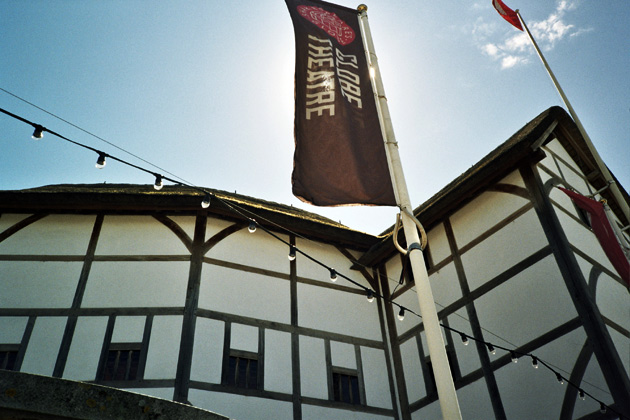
{"points": [[339, 151]]}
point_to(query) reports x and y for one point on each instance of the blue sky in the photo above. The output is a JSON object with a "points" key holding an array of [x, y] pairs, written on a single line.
{"points": [[204, 89]]}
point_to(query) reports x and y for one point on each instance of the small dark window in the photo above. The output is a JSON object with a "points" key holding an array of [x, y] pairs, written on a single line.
{"points": [[8, 359], [122, 362], [346, 388], [242, 371]]}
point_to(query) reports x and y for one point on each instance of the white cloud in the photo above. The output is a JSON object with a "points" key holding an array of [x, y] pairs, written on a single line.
{"points": [[516, 48], [509, 61]]}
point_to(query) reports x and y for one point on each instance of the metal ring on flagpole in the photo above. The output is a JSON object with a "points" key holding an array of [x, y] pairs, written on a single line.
{"points": [[423, 234]]}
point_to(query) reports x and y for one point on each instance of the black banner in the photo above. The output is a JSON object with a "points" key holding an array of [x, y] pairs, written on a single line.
{"points": [[339, 151]]}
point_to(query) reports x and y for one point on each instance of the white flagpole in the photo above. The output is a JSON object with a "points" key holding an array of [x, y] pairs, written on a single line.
{"points": [[598, 160], [437, 350]]}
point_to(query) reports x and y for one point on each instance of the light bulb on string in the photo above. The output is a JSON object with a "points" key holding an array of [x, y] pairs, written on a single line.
{"points": [[464, 339], [534, 362], [491, 349], [333, 275], [158, 183], [370, 295], [100, 162], [401, 314], [38, 133], [514, 357], [560, 379], [602, 408], [291, 253], [206, 201], [252, 227], [581, 394]]}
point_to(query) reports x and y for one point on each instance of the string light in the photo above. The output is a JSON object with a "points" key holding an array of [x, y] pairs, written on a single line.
{"points": [[100, 162], [206, 201], [39, 132], [333, 275], [252, 227], [370, 295], [158, 183], [401, 314]]}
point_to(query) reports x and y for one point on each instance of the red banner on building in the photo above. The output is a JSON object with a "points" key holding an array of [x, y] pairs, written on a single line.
{"points": [[339, 151], [604, 233]]}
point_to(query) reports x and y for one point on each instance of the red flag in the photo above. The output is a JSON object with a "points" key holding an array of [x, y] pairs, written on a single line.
{"points": [[507, 13], [604, 233], [340, 155]]}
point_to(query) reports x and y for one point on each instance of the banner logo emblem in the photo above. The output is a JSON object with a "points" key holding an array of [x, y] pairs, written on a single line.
{"points": [[329, 22]]}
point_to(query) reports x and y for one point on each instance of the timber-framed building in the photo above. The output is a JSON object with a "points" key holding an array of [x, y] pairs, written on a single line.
{"points": [[144, 291]]}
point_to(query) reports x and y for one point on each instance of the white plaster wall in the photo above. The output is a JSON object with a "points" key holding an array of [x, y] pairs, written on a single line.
{"points": [[474, 401], [582, 238], [208, 351], [622, 345], [430, 412], [128, 329], [595, 384], [414, 379], [529, 393], [278, 364], [312, 412], [377, 390], [438, 244], [163, 348], [52, 235], [467, 355], [613, 300], [502, 250], [445, 286], [336, 311], [484, 212], [572, 174], [213, 227], [43, 347], [27, 284], [573, 178], [244, 337], [393, 266], [314, 382], [136, 284], [85, 349], [241, 407], [331, 257], [187, 224], [525, 307], [242, 293], [343, 355], [7, 220], [12, 329], [137, 235], [256, 249], [409, 300]]}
